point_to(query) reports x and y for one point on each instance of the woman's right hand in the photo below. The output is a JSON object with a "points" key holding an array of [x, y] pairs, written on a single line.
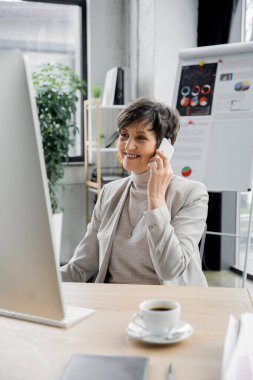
{"points": [[160, 176]]}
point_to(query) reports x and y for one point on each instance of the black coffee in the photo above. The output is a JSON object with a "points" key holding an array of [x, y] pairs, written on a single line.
{"points": [[165, 308]]}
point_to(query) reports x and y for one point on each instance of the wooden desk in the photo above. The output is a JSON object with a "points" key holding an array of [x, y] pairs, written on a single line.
{"points": [[33, 351]]}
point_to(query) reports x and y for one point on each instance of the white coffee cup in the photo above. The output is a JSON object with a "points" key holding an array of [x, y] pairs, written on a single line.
{"points": [[158, 316]]}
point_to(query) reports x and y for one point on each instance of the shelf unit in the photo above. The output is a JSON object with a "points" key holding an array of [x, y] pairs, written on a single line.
{"points": [[92, 144]]}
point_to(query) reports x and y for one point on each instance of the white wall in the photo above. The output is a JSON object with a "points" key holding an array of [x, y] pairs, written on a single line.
{"points": [[143, 35], [235, 34], [146, 48], [165, 26], [106, 41], [176, 28]]}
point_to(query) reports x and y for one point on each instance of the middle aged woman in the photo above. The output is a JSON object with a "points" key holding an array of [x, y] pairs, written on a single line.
{"points": [[145, 228]]}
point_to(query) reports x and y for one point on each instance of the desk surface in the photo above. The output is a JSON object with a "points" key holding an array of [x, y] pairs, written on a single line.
{"points": [[32, 351]]}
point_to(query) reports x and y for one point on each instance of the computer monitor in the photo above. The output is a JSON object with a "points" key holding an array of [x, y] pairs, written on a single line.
{"points": [[29, 276]]}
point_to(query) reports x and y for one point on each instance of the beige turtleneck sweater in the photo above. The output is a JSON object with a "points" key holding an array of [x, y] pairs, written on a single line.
{"points": [[130, 261]]}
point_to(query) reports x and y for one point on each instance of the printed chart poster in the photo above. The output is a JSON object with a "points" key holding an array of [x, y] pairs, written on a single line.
{"points": [[191, 149], [196, 88], [234, 89]]}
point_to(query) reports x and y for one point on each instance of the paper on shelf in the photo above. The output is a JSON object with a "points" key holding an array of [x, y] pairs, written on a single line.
{"points": [[109, 87]]}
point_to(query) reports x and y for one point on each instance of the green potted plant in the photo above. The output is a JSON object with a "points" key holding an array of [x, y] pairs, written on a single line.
{"points": [[96, 91], [56, 88]]}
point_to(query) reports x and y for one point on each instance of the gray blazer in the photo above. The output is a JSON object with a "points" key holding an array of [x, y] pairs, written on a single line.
{"points": [[173, 233]]}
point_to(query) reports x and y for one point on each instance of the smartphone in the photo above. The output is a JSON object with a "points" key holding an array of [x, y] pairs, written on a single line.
{"points": [[167, 148]]}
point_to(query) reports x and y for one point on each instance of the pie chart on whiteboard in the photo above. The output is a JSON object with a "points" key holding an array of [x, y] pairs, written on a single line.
{"points": [[186, 171]]}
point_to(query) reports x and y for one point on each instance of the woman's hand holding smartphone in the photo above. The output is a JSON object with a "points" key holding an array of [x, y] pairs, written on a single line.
{"points": [[160, 175]]}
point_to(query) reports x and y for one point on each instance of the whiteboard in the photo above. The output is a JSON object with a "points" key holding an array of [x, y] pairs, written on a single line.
{"points": [[214, 95]]}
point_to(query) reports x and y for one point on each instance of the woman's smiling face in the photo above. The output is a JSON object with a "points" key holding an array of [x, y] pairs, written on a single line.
{"points": [[136, 146]]}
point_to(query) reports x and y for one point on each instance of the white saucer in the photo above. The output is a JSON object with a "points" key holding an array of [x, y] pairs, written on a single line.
{"points": [[181, 331]]}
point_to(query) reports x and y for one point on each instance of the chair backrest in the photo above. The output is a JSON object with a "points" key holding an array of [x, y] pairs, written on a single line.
{"points": [[202, 243]]}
